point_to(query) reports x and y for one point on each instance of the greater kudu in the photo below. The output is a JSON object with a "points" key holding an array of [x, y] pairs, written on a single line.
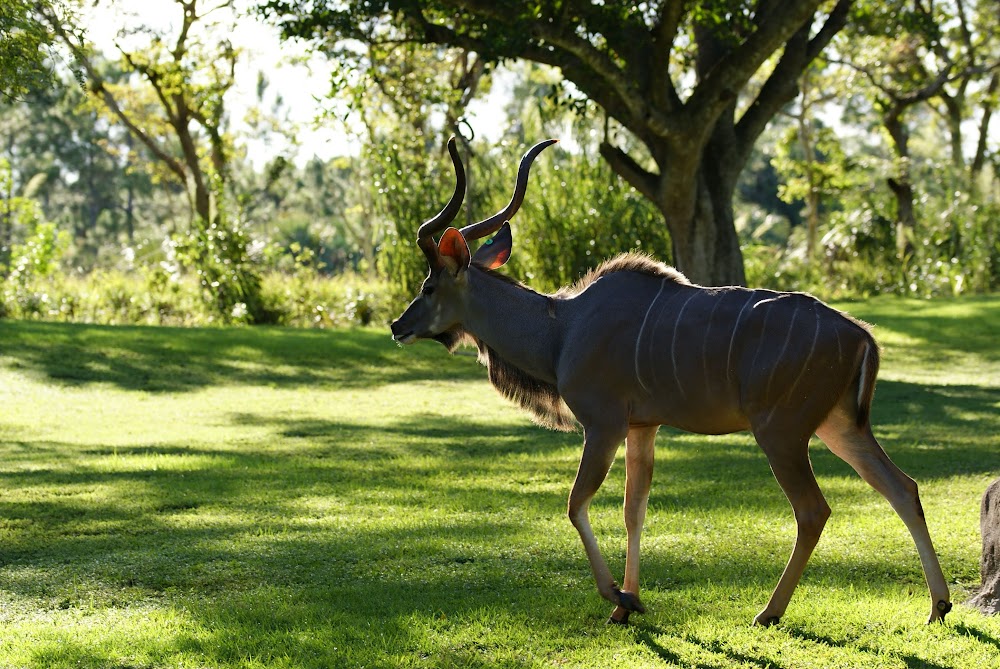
{"points": [[635, 345]]}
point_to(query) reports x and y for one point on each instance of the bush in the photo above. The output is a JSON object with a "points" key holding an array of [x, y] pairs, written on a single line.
{"points": [[226, 262], [956, 253], [305, 299], [156, 296]]}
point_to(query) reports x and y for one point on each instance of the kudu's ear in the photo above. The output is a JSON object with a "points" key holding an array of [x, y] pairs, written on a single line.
{"points": [[496, 251], [454, 248]]}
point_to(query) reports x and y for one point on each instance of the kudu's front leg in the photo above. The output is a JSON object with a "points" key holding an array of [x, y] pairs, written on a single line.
{"points": [[638, 477], [600, 444]]}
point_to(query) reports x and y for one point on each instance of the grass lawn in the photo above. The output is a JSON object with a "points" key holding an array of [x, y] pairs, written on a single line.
{"points": [[295, 498]]}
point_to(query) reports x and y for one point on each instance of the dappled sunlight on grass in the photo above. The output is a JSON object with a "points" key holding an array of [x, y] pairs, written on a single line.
{"points": [[302, 499], [940, 342]]}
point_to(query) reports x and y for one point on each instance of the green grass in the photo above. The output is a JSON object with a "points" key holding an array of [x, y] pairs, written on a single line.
{"points": [[293, 498]]}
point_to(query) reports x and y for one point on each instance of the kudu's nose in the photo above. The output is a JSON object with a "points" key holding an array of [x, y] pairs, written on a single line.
{"points": [[403, 334]]}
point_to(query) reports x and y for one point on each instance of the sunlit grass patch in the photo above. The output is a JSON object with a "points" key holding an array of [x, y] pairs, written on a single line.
{"points": [[283, 498]]}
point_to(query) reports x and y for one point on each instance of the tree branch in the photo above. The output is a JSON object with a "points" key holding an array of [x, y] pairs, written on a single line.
{"points": [[782, 86], [663, 33], [623, 164], [733, 70], [558, 44], [99, 86], [984, 124]]}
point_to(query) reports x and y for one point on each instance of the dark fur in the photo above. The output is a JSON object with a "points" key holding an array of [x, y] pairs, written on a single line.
{"points": [[539, 398]]}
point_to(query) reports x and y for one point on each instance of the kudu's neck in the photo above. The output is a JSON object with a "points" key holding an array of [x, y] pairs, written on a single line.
{"points": [[516, 322]]}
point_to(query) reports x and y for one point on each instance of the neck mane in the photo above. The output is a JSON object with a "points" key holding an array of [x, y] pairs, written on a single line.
{"points": [[640, 263]]}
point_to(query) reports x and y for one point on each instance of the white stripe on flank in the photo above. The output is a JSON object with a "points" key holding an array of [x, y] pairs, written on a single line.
{"points": [[673, 343], [802, 370], [642, 329], [732, 339], [864, 376], [784, 347], [704, 347], [809, 355]]}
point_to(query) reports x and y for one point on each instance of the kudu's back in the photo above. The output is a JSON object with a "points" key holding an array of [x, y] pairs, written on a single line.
{"points": [[710, 360]]}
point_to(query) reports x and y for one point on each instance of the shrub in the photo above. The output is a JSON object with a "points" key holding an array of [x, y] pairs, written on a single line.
{"points": [[155, 296]]}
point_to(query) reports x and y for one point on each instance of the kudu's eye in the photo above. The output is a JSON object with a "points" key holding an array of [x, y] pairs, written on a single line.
{"points": [[428, 290]]}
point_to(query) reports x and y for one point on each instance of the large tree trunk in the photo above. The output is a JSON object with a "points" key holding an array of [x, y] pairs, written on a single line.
{"points": [[988, 598], [699, 210], [705, 245], [901, 185]]}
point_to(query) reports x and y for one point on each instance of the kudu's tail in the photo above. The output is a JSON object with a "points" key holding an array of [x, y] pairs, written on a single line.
{"points": [[866, 380]]}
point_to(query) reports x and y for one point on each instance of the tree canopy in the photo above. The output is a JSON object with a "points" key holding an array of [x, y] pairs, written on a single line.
{"points": [[691, 86], [682, 134]]}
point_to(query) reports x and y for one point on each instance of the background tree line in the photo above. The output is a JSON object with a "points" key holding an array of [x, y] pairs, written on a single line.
{"points": [[844, 148]]}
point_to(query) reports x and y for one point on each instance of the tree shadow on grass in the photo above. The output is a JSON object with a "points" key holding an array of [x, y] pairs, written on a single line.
{"points": [[656, 639], [910, 660], [289, 549], [937, 331], [230, 539], [164, 359], [979, 635]]}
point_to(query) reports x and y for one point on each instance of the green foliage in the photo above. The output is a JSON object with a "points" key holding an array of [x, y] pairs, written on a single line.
{"points": [[106, 189], [223, 258], [827, 172], [25, 48], [36, 258], [957, 252], [33, 258], [578, 214], [304, 299], [335, 501], [411, 183], [155, 295], [956, 245]]}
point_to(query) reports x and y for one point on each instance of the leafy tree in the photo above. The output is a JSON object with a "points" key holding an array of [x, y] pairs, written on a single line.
{"points": [[810, 157], [175, 105], [676, 76], [914, 54], [25, 47], [397, 96], [90, 175]]}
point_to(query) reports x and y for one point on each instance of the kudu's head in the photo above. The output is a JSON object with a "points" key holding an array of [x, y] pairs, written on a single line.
{"points": [[437, 311]]}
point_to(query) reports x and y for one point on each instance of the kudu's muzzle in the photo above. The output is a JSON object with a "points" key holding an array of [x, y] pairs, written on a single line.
{"points": [[401, 332]]}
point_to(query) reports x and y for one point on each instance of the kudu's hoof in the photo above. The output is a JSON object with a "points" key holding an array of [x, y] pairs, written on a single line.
{"points": [[769, 621], [630, 602], [941, 609], [623, 621]]}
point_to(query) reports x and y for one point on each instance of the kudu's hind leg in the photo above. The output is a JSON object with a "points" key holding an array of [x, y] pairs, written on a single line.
{"points": [[599, 450], [789, 460], [638, 477], [858, 447]]}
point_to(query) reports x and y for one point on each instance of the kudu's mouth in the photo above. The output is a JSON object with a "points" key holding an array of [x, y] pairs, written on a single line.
{"points": [[407, 338], [401, 336]]}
